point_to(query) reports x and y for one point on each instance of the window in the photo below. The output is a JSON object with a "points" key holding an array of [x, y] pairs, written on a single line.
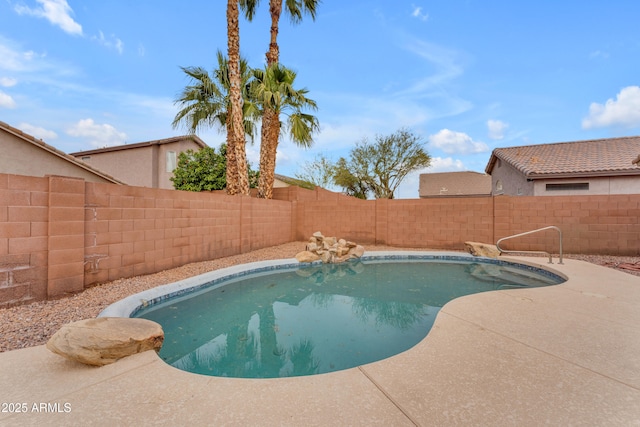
{"points": [[85, 158], [171, 161], [568, 186]]}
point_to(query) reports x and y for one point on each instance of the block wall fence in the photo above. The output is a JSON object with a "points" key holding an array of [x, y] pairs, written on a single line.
{"points": [[59, 235]]}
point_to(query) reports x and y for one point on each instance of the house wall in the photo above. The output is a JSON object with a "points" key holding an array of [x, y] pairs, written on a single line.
{"points": [[23, 158], [162, 174], [597, 185], [141, 166], [131, 166], [59, 234], [513, 181]]}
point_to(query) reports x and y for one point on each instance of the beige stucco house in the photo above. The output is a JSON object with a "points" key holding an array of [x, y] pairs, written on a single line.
{"points": [[144, 164], [23, 154], [454, 184], [601, 166]]}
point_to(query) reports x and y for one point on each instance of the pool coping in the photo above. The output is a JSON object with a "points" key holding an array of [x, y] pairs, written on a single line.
{"points": [[561, 355]]}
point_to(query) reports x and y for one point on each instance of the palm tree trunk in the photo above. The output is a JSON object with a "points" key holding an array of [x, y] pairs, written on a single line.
{"points": [[275, 9], [232, 163], [268, 150], [270, 119], [235, 141]]}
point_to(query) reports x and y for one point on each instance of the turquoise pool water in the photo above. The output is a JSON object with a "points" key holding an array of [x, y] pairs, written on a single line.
{"points": [[323, 318]]}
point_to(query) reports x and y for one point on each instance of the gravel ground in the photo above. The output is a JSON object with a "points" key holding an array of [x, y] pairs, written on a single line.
{"points": [[33, 324]]}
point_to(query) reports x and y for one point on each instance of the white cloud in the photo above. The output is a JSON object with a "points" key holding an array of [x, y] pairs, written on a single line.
{"points": [[13, 59], [57, 12], [496, 128], [37, 131], [417, 13], [7, 81], [456, 142], [98, 135], [6, 101], [446, 62], [623, 111], [111, 43], [447, 164]]}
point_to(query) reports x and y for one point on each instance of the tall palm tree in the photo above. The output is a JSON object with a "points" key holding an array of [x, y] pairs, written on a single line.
{"points": [[270, 119], [235, 138], [206, 103], [272, 90], [295, 9]]}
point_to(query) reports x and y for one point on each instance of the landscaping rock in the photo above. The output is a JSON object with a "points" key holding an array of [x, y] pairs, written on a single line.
{"points": [[482, 249], [330, 250], [104, 340], [307, 256]]}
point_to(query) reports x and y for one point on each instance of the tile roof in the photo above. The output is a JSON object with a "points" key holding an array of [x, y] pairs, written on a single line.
{"points": [[194, 138], [611, 156], [454, 184], [54, 151]]}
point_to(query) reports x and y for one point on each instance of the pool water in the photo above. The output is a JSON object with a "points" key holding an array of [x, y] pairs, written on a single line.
{"points": [[324, 318]]}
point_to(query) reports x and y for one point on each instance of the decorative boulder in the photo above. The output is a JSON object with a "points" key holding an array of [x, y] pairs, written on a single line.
{"points": [[482, 249], [330, 250], [104, 340], [307, 256], [356, 251]]}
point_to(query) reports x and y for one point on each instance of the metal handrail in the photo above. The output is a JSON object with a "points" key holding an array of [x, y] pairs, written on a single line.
{"points": [[534, 252]]}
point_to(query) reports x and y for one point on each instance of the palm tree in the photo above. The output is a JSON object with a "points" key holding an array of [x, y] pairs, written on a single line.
{"points": [[235, 135], [206, 103], [270, 119], [273, 92], [295, 9]]}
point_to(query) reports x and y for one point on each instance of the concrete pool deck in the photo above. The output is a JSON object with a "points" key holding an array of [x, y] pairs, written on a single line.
{"points": [[560, 355]]}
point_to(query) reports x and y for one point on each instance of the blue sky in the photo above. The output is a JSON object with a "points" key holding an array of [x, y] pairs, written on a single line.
{"points": [[466, 76]]}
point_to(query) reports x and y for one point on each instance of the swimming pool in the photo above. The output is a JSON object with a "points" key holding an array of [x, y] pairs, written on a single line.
{"points": [[288, 319]]}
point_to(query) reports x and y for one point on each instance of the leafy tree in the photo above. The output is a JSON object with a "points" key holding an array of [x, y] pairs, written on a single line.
{"points": [[321, 172], [352, 183], [379, 168], [205, 170], [273, 90]]}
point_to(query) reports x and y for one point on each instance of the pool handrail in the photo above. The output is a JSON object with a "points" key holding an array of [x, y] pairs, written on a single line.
{"points": [[534, 252]]}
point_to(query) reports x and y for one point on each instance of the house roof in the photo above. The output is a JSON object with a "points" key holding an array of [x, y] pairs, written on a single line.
{"points": [[598, 157], [454, 184], [294, 181], [55, 152], [194, 138]]}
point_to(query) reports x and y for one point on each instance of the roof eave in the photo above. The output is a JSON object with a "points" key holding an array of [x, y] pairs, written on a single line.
{"points": [[52, 150], [585, 174], [492, 161]]}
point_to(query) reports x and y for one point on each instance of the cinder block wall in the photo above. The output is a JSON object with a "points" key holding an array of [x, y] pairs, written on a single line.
{"points": [[24, 238], [439, 223], [134, 230], [59, 234], [608, 224]]}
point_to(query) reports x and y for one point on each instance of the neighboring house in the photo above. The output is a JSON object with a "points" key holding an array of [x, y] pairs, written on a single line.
{"points": [[454, 184], [601, 166], [144, 164], [286, 181], [23, 154]]}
